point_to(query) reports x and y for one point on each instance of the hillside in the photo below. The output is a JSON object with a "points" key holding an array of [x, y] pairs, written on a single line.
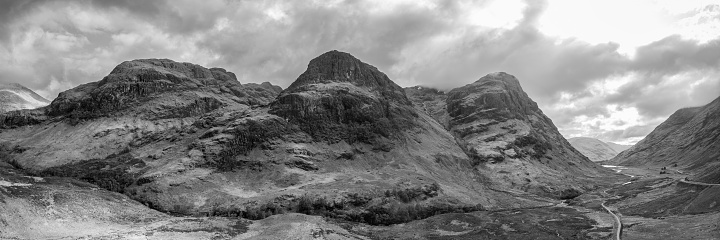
{"points": [[595, 149], [508, 137], [15, 97], [690, 138], [618, 147]]}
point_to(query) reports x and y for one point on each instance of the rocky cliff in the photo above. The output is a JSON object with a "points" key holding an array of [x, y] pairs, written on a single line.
{"points": [[690, 138], [339, 98], [595, 149], [430, 101], [507, 135], [137, 99], [156, 88]]}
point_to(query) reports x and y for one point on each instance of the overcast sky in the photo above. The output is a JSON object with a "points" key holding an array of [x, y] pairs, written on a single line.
{"points": [[610, 69]]}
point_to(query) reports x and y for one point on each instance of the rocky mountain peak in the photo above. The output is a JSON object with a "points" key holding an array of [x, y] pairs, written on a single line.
{"points": [[339, 93], [499, 95], [158, 88], [335, 68], [499, 126], [153, 69], [503, 78]]}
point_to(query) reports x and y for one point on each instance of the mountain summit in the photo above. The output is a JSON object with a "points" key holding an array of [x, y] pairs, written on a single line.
{"points": [[500, 126], [508, 137], [335, 67], [340, 97], [155, 88]]}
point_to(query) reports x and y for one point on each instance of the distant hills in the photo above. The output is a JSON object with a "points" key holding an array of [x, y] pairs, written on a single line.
{"points": [[595, 149], [618, 147], [690, 138], [14, 96]]}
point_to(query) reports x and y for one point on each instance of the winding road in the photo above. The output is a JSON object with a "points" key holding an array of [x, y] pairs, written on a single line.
{"points": [[617, 227], [699, 183]]}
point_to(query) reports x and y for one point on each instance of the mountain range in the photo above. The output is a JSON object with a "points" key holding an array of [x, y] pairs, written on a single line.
{"points": [[343, 141], [187, 139]]}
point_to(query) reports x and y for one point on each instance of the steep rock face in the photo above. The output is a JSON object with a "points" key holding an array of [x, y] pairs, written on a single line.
{"points": [[139, 98], [154, 88], [430, 101], [149, 89], [15, 97], [690, 138], [509, 138], [594, 149], [339, 98]]}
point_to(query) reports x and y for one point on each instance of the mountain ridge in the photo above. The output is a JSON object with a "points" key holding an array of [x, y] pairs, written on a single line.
{"points": [[14, 96], [504, 131], [690, 138], [343, 138]]}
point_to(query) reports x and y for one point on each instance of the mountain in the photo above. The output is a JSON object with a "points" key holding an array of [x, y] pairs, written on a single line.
{"points": [[430, 101], [342, 141], [595, 149], [690, 138], [508, 137], [618, 147], [14, 96], [185, 139]]}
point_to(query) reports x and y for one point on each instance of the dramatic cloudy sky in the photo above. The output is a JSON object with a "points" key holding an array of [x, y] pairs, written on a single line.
{"points": [[610, 69]]}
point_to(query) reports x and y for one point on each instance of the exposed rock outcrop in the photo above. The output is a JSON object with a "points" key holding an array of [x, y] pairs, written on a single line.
{"points": [[430, 101], [154, 88], [690, 138], [508, 136], [339, 98]]}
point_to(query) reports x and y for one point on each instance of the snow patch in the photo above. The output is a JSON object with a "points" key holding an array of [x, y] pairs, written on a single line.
{"points": [[4, 183], [30, 101]]}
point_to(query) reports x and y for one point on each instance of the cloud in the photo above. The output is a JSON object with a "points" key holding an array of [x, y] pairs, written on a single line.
{"points": [[50, 46]]}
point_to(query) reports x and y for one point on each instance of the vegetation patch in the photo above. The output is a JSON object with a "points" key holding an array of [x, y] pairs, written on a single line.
{"points": [[247, 137], [538, 223], [539, 148], [109, 173], [393, 207]]}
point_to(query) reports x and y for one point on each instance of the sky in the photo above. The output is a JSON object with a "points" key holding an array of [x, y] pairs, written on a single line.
{"points": [[608, 69]]}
